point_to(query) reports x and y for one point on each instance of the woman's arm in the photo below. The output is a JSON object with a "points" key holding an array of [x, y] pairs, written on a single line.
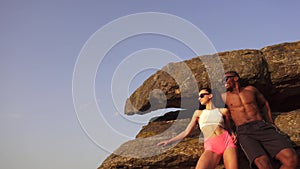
{"points": [[186, 132], [226, 114]]}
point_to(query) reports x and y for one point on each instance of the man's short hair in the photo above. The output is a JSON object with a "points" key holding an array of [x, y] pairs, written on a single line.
{"points": [[233, 72]]}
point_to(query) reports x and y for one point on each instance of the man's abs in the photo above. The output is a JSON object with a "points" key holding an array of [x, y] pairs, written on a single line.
{"points": [[241, 117]]}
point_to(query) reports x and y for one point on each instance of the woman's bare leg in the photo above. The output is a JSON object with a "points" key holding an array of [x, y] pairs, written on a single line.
{"points": [[208, 160], [230, 158]]}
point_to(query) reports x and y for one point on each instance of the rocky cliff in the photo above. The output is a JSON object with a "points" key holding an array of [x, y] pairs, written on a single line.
{"points": [[274, 70]]}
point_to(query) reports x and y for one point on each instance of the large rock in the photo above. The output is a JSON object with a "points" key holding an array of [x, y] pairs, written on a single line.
{"points": [[274, 70], [284, 73], [142, 153]]}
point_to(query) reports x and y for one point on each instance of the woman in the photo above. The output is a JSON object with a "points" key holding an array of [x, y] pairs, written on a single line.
{"points": [[217, 141]]}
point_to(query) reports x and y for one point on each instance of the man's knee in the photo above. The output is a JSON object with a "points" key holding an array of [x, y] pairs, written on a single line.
{"points": [[263, 162], [288, 157]]}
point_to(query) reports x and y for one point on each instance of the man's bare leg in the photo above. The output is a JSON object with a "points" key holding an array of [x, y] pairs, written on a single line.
{"points": [[263, 162], [288, 158]]}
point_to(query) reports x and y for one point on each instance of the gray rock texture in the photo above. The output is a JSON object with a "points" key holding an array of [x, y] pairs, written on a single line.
{"points": [[274, 70]]}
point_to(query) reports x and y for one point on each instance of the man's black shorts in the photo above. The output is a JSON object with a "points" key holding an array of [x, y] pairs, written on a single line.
{"points": [[259, 138]]}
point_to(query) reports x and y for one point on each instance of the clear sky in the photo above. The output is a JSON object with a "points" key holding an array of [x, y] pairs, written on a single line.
{"points": [[40, 44]]}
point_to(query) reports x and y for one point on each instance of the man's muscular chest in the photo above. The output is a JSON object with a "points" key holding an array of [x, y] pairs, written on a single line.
{"points": [[240, 99]]}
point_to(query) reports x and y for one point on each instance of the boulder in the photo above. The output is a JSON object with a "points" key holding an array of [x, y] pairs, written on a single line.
{"points": [[143, 153], [274, 70]]}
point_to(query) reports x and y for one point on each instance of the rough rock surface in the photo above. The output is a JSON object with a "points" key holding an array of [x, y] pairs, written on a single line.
{"points": [[142, 153], [274, 70]]}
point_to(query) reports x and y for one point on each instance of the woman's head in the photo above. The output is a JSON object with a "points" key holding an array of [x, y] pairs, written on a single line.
{"points": [[205, 96]]}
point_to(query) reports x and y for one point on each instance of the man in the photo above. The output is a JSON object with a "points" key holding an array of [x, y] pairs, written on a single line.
{"points": [[259, 139]]}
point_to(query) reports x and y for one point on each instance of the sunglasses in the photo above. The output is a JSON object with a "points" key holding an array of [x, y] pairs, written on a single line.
{"points": [[202, 95], [226, 78]]}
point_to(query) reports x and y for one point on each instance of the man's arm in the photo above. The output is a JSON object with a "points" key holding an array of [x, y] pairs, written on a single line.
{"points": [[264, 106]]}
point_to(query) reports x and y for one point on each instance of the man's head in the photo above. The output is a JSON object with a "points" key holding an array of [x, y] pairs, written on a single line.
{"points": [[230, 79]]}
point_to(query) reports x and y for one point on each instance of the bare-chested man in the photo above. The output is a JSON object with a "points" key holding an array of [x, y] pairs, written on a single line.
{"points": [[259, 139]]}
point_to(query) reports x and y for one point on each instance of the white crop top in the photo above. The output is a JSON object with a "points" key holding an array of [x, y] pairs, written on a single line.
{"points": [[210, 120]]}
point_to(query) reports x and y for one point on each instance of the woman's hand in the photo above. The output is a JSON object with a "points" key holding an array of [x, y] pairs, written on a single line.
{"points": [[163, 143], [233, 136]]}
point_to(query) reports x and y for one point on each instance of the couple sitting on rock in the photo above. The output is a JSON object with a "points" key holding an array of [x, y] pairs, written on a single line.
{"points": [[259, 139]]}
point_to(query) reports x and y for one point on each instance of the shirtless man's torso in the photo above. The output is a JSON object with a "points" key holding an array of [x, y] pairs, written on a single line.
{"points": [[246, 106], [243, 105]]}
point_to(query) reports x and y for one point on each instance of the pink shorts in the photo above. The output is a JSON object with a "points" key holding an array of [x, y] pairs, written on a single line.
{"points": [[219, 144]]}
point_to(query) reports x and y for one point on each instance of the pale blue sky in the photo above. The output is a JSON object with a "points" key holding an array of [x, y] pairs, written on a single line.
{"points": [[41, 41]]}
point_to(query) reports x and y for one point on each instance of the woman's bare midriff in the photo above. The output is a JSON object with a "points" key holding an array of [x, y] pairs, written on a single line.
{"points": [[219, 130]]}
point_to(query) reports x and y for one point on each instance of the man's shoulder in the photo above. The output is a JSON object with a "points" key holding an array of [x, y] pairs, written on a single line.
{"points": [[249, 87]]}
